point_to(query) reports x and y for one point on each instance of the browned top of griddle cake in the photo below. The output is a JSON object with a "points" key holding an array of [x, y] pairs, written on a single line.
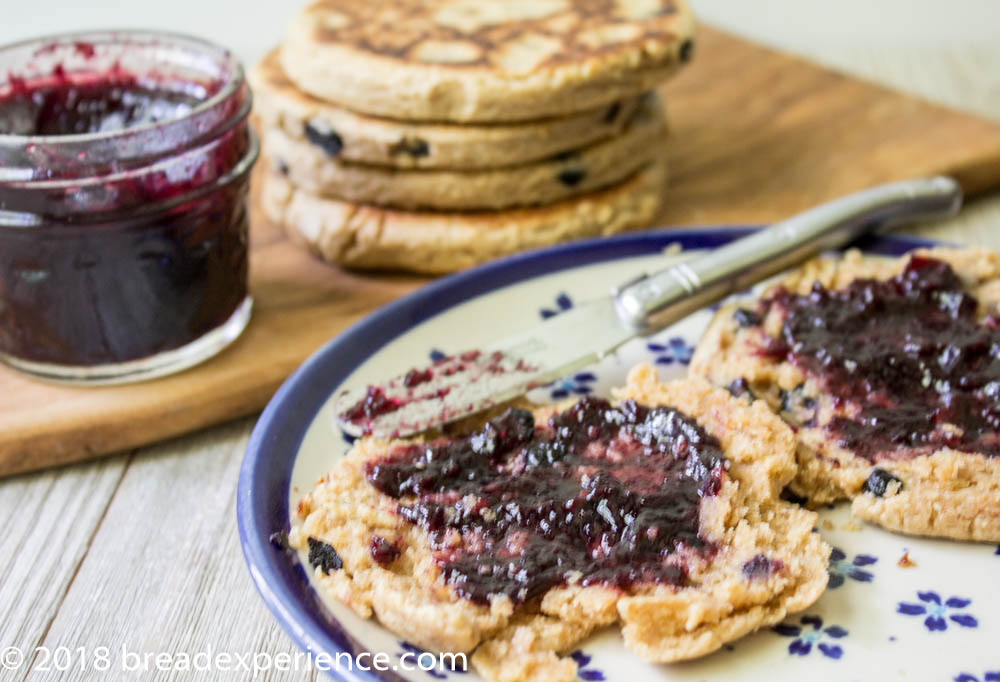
{"points": [[514, 36]]}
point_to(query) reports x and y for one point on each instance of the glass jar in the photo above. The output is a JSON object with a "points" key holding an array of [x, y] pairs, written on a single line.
{"points": [[124, 166]]}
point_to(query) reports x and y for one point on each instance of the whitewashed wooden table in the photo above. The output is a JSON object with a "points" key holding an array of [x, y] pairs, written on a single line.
{"points": [[140, 550]]}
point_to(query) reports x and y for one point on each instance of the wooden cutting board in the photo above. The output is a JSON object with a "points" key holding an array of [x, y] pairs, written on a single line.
{"points": [[756, 136]]}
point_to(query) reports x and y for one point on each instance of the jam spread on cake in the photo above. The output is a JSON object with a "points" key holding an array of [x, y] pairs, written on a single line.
{"points": [[599, 494], [908, 359], [383, 552]]}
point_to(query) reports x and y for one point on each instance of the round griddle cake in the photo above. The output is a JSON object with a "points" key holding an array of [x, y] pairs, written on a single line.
{"points": [[310, 166], [365, 236], [746, 560], [359, 138], [942, 479], [484, 60]]}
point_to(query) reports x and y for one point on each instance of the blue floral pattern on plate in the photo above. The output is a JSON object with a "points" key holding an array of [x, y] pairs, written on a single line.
{"points": [[675, 349], [841, 569], [583, 669], [578, 384], [810, 632], [988, 676], [932, 606], [563, 303], [820, 642]]}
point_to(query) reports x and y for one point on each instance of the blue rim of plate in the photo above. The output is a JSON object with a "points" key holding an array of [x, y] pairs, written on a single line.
{"points": [[265, 474]]}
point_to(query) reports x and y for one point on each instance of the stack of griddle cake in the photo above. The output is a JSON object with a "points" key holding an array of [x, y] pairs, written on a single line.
{"points": [[431, 135]]}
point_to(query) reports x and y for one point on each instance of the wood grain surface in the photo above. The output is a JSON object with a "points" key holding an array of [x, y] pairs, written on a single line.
{"points": [[756, 136]]}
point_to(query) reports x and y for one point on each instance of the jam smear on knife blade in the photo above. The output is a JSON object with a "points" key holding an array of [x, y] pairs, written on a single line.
{"points": [[429, 385]]}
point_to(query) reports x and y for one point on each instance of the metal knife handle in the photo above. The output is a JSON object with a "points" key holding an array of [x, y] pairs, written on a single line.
{"points": [[657, 300]]}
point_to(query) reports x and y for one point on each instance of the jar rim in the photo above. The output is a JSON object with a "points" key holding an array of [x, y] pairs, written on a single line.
{"points": [[241, 168], [228, 88]]}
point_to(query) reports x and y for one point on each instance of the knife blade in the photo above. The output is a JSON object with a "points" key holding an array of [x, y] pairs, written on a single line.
{"points": [[463, 384]]}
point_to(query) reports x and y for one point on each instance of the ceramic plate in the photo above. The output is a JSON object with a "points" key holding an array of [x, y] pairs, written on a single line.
{"points": [[936, 619]]}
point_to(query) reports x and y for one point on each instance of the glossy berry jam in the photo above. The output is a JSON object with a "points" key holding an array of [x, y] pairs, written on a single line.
{"points": [[91, 103], [383, 551], [375, 403], [108, 292], [599, 495], [909, 359], [123, 222]]}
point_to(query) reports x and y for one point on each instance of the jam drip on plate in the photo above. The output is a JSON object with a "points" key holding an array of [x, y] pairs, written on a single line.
{"points": [[598, 495], [909, 360]]}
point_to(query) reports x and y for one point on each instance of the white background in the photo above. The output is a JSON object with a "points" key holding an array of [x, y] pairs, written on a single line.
{"points": [[249, 26]]}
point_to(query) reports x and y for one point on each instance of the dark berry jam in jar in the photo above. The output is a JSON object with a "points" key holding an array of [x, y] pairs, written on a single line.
{"points": [[124, 167]]}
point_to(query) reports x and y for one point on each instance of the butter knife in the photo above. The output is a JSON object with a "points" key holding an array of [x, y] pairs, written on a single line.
{"points": [[466, 383]]}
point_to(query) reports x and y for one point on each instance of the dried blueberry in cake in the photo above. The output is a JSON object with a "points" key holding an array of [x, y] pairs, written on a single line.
{"points": [[323, 557], [879, 481], [889, 371], [739, 388], [528, 531], [411, 146], [572, 176], [746, 318], [687, 50], [612, 113], [326, 139]]}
